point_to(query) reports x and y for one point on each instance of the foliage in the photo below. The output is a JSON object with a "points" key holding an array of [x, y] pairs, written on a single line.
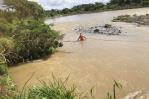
{"points": [[76, 9], [5, 26], [6, 46], [25, 8], [94, 7], [124, 18], [32, 40], [7, 88], [6, 43], [112, 6], [30, 37], [56, 89], [3, 69], [145, 3], [9, 16], [125, 2], [115, 85]]}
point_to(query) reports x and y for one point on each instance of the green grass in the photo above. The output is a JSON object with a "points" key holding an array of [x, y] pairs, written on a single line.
{"points": [[123, 18], [7, 88], [56, 89], [3, 69], [116, 85]]}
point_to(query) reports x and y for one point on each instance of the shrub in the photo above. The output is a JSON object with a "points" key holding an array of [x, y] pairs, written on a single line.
{"points": [[115, 86], [113, 6], [7, 88], [6, 43], [56, 89], [29, 40], [5, 27], [6, 46], [33, 39], [3, 69], [145, 3], [124, 18]]}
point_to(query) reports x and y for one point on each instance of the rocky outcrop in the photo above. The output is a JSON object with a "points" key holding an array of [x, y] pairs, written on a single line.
{"points": [[107, 29], [137, 95], [141, 19]]}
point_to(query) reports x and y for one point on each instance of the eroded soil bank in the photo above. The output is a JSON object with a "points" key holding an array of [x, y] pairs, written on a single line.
{"points": [[97, 61]]}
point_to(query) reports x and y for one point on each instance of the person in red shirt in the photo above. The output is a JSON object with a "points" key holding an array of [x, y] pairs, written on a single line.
{"points": [[81, 37]]}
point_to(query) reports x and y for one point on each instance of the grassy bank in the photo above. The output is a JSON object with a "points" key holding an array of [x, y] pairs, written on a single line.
{"points": [[55, 89], [23, 37], [7, 88]]}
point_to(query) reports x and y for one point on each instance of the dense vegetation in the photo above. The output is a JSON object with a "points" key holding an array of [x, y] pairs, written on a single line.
{"points": [[55, 89], [25, 8], [23, 37], [97, 7]]}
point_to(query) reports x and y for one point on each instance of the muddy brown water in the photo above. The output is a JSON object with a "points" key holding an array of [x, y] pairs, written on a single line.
{"points": [[99, 60]]}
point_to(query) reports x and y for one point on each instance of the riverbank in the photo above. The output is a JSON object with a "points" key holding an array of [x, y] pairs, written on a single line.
{"points": [[92, 12], [97, 7], [23, 37], [55, 89]]}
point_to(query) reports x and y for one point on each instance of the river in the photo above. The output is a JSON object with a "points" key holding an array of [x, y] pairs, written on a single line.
{"points": [[99, 60]]}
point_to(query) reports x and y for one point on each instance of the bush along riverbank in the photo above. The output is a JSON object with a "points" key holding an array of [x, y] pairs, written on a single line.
{"points": [[7, 87], [31, 39], [139, 19], [23, 37]]}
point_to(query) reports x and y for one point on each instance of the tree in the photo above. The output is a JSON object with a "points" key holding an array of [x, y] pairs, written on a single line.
{"points": [[99, 5], [65, 11], [145, 3], [25, 8], [124, 2]]}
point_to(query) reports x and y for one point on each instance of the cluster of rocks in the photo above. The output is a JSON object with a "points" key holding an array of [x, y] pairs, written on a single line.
{"points": [[141, 19], [107, 29], [137, 95]]}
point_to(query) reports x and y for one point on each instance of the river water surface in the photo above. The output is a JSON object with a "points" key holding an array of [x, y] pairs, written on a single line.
{"points": [[99, 60]]}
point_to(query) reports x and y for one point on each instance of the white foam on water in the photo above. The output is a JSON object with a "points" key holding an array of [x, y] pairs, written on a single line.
{"points": [[133, 95]]}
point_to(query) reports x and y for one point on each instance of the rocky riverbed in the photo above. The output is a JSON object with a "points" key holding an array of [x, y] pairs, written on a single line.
{"points": [[139, 19], [106, 29]]}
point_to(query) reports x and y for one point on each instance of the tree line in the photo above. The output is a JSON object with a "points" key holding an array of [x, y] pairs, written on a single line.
{"points": [[98, 6], [25, 8], [126, 2]]}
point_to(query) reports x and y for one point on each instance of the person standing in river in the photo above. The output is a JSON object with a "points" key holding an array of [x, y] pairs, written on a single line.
{"points": [[81, 37]]}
